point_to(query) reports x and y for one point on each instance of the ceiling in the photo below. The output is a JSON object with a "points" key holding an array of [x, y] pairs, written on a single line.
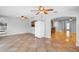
{"points": [[26, 10]]}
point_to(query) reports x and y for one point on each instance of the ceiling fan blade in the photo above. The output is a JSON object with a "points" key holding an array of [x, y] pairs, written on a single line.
{"points": [[45, 13], [50, 9], [34, 10], [37, 13], [55, 12]]}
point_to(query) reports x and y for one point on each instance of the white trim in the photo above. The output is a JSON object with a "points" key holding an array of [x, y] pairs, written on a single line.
{"points": [[77, 44], [6, 34]]}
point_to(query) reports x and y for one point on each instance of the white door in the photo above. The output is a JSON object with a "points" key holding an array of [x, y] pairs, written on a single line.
{"points": [[39, 29]]}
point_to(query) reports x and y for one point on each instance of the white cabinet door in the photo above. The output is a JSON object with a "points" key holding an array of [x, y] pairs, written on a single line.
{"points": [[39, 29]]}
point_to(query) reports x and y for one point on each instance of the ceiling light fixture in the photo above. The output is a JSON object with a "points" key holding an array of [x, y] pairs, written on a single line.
{"points": [[23, 17]]}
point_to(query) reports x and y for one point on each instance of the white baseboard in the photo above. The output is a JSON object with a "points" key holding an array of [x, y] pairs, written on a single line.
{"points": [[77, 45], [8, 34]]}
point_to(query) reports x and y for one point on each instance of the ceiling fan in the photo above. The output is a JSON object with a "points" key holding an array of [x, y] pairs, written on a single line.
{"points": [[44, 10]]}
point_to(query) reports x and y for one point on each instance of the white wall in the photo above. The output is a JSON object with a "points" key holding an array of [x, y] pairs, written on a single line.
{"points": [[77, 30], [30, 29], [16, 26]]}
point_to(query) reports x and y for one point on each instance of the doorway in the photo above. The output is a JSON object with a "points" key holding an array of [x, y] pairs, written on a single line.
{"points": [[63, 31]]}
